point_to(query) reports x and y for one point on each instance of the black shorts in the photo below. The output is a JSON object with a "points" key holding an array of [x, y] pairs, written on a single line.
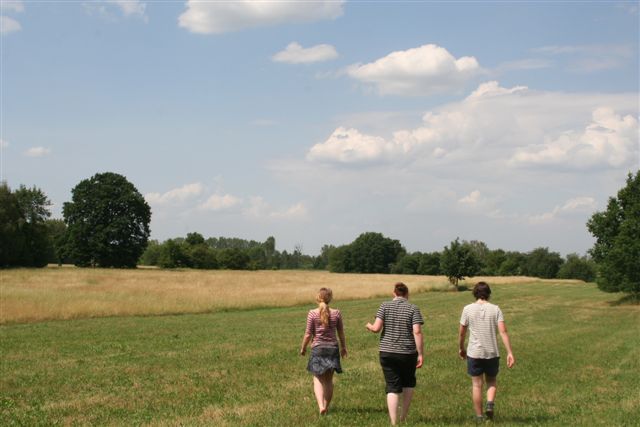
{"points": [[477, 367], [399, 371]]}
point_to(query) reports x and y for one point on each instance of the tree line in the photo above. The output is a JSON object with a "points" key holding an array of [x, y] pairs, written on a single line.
{"points": [[106, 224]]}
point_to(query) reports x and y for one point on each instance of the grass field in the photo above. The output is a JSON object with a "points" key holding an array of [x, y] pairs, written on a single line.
{"points": [[577, 359]]}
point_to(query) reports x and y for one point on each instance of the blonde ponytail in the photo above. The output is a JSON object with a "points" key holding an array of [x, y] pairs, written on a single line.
{"points": [[323, 299]]}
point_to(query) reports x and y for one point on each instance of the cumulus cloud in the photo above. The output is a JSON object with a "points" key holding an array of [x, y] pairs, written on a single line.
{"points": [[511, 127], [471, 199], [350, 146], [296, 54], [610, 139], [130, 7], [9, 25], [176, 195], [37, 152], [578, 205], [221, 17], [219, 202], [259, 209], [424, 70]]}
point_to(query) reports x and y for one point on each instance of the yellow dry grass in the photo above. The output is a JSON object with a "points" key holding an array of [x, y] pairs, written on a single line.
{"points": [[30, 295]]}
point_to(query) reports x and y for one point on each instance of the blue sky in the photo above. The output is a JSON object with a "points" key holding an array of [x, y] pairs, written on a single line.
{"points": [[506, 122]]}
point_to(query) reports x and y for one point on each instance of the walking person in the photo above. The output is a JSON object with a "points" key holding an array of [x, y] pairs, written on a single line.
{"points": [[484, 320], [401, 349], [322, 325]]}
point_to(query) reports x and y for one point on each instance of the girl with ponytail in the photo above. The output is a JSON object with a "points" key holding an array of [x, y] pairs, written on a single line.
{"points": [[323, 323]]}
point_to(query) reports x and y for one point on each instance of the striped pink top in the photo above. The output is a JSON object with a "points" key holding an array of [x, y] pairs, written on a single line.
{"points": [[324, 336]]}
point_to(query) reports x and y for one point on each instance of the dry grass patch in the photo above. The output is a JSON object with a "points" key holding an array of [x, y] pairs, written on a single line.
{"points": [[29, 295]]}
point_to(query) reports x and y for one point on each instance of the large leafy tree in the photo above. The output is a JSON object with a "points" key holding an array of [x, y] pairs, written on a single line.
{"points": [[374, 253], [543, 263], [24, 236], [107, 222], [617, 233]]}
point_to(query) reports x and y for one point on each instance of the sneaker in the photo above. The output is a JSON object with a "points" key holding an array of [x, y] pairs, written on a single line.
{"points": [[489, 412], [479, 419]]}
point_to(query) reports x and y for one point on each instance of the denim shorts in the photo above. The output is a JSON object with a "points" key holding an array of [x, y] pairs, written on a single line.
{"points": [[477, 367]]}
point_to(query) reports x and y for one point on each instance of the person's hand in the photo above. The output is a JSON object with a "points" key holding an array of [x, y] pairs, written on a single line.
{"points": [[303, 351], [420, 361], [462, 353], [510, 360], [368, 326], [343, 352]]}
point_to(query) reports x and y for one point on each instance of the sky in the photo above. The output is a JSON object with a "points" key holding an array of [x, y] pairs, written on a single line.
{"points": [[313, 122]]}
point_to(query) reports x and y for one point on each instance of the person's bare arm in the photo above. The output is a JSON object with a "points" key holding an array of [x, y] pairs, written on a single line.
{"points": [[343, 342], [418, 337], [462, 333], [305, 343], [502, 328], [376, 327]]}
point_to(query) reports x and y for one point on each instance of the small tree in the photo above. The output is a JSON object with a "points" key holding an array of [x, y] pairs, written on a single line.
{"points": [[457, 261], [617, 247], [577, 267], [107, 222]]}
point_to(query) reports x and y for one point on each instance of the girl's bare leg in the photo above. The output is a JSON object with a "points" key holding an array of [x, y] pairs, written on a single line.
{"points": [[318, 389]]}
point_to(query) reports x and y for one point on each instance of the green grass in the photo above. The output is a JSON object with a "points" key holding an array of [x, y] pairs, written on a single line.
{"points": [[577, 364]]}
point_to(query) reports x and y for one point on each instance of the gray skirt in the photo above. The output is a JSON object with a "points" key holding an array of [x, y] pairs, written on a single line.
{"points": [[323, 359]]}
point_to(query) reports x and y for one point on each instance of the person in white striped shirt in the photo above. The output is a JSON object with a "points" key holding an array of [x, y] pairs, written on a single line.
{"points": [[484, 320]]}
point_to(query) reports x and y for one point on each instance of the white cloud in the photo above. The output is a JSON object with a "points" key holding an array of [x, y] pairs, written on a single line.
{"points": [[3, 143], [219, 202], [130, 7], [471, 199], [609, 140], [9, 25], [259, 209], [177, 195], [578, 205], [350, 146], [296, 54], [220, 17], [504, 127], [424, 70], [37, 152]]}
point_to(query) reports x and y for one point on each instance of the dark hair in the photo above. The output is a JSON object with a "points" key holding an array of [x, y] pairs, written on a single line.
{"points": [[400, 289], [482, 291]]}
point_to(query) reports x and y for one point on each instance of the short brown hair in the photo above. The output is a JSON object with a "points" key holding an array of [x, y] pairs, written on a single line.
{"points": [[400, 289], [482, 291]]}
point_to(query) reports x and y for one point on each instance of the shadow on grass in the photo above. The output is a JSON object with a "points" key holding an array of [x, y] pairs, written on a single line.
{"points": [[631, 299]]}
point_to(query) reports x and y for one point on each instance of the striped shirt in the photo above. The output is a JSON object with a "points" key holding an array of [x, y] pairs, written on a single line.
{"points": [[324, 336], [482, 320], [398, 317]]}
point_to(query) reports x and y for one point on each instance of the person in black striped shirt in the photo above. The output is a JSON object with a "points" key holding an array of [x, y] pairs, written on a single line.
{"points": [[401, 348]]}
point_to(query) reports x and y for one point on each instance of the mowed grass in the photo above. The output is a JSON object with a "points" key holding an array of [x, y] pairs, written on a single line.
{"points": [[577, 364], [29, 295]]}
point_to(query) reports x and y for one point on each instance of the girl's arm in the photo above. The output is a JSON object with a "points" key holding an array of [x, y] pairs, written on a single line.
{"points": [[305, 343]]}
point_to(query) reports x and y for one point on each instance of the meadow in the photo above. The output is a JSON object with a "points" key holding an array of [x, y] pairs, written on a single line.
{"points": [[126, 356]]}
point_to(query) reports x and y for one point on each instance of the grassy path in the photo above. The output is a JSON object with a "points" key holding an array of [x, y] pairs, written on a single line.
{"points": [[577, 364]]}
